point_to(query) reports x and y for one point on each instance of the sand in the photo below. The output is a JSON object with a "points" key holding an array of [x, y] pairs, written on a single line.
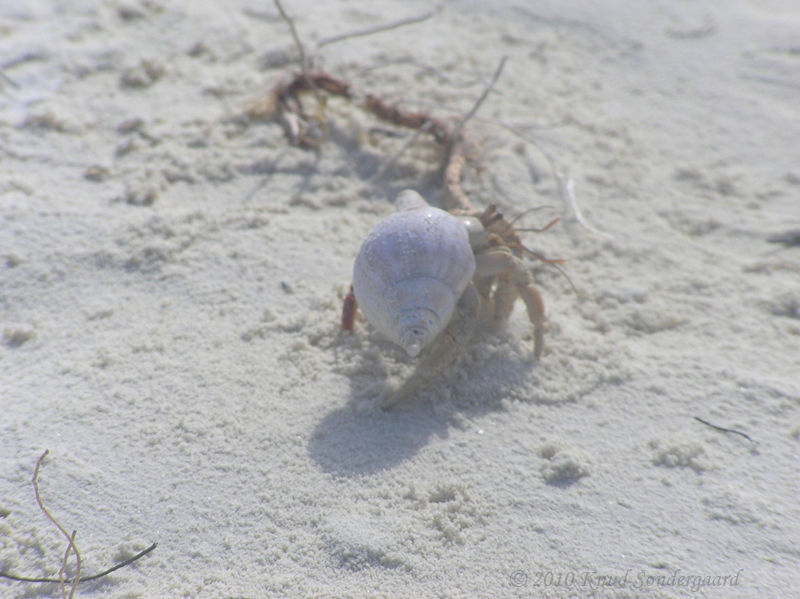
{"points": [[172, 274]]}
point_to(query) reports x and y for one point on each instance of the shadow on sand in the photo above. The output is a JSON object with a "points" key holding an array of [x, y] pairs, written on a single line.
{"points": [[353, 441]]}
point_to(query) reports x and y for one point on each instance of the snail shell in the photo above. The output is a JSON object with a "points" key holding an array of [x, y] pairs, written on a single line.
{"points": [[411, 271]]}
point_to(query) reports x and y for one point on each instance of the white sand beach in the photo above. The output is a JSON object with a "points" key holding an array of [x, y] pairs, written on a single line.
{"points": [[172, 274]]}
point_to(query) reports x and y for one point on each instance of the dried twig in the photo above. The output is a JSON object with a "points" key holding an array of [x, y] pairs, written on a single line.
{"points": [[455, 198], [723, 429], [63, 569], [62, 580], [70, 538], [487, 90], [122, 564], [304, 63], [376, 29], [113, 568], [295, 36], [455, 160]]}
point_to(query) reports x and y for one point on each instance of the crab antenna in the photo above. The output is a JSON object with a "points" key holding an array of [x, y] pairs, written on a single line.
{"points": [[554, 262], [528, 211], [540, 257], [566, 276], [548, 226]]}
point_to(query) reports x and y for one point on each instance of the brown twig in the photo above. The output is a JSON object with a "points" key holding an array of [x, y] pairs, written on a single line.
{"points": [[70, 538], [304, 66], [401, 117], [455, 198], [288, 93], [301, 50]]}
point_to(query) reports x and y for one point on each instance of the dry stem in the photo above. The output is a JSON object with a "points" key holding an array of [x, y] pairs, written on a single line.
{"points": [[457, 129], [377, 29], [70, 538], [62, 581], [300, 49], [106, 572], [62, 570]]}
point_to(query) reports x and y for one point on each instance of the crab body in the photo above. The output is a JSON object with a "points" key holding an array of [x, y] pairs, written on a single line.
{"points": [[422, 274]]}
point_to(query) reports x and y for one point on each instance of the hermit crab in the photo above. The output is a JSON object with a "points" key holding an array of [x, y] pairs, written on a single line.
{"points": [[422, 275]]}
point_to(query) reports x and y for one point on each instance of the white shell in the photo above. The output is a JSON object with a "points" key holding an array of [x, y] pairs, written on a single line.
{"points": [[411, 271]]}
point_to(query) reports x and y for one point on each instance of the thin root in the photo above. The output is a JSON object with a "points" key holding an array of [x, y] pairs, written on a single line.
{"points": [[70, 538], [62, 579]]}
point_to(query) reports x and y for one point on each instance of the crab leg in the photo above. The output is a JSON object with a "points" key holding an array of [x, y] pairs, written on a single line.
{"points": [[349, 307], [514, 281], [445, 349], [505, 294], [535, 305]]}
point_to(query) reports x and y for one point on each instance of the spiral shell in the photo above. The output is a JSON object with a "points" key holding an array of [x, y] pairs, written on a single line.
{"points": [[411, 271]]}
